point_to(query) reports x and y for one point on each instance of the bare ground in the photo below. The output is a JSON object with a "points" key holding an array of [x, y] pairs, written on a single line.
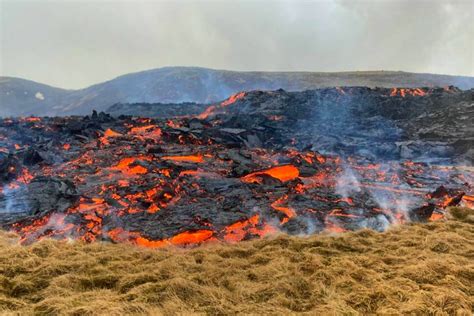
{"points": [[412, 269]]}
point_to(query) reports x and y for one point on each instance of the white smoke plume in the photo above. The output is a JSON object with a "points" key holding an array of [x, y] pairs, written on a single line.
{"points": [[347, 183]]}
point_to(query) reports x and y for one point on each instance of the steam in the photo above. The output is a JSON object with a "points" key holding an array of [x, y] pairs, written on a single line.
{"points": [[378, 223], [55, 223], [10, 203], [347, 183], [395, 204]]}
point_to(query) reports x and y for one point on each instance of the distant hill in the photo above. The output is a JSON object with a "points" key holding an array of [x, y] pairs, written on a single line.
{"points": [[192, 84]]}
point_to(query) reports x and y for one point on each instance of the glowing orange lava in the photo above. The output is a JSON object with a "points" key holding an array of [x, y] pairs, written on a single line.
{"points": [[210, 110], [181, 239], [125, 165], [282, 173], [238, 231], [189, 158], [147, 131], [288, 211], [108, 134], [436, 217], [404, 92], [468, 201]]}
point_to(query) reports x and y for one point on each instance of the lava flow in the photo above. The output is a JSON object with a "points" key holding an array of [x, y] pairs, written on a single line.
{"points": [[245, 168]]}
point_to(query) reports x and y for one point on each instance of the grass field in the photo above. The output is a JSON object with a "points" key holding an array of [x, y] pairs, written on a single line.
{"points": [[413, 269]]}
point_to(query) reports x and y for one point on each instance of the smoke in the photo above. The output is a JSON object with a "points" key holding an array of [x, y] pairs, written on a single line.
{"points": [[216, 88], [55, 223], [379, 223], [348, 125], [395, 203], [11, 202], [347, 183]]}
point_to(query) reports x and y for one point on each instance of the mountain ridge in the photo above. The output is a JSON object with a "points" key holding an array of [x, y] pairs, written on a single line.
{"points": [[192, 84]]}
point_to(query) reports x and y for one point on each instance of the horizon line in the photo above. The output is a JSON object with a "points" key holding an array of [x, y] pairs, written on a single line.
{"points": [[236, 71]]}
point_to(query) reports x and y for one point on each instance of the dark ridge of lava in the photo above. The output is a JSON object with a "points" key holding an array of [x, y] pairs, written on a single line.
{"points": [[259, 162]]}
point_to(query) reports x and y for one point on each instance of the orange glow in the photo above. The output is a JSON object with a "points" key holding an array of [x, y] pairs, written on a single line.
{"points": [[188, 172], [25, 176], [447, 201], [207, 112], [146, 131], [191, 237], [31, 119], [190, 158], [233, 98], [282, 173], [144, 242], [165, 172], [181, 239], [108, 134], [210, 110], [38, 229], [153, 209], [333, 228], [198, 169], [123, 183], [391, 189], [339, 213], [468, 201], [404, 92], [436, 217], [124, 165], [330, 225], [117, 234], [111, 133], [137, 170], [238, 231], [173, 124], [232, 233], [288, 211]]}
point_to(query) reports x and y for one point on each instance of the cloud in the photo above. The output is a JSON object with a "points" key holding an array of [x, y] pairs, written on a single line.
{"points": [[73, 44]]}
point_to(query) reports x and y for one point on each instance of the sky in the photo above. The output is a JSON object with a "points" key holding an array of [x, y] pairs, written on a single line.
{"points": [[76, 43]]}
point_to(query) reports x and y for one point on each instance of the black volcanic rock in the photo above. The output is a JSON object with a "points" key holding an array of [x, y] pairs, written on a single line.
{"points": [[299, 162], [354, 121]]}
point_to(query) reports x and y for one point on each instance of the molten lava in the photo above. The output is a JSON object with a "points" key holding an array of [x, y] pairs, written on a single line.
{"points": [[109, 134], [189, 158], [193, 180], [214, 109], [282, 173], [288, 211], [404, 92]]}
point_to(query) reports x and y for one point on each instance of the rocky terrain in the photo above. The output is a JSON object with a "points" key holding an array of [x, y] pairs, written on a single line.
{"points": [[424, 123], [257, 163], [192, 84]]}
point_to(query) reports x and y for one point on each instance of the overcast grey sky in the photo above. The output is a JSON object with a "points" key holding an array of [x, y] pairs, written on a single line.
{"points": [[73, 44]]}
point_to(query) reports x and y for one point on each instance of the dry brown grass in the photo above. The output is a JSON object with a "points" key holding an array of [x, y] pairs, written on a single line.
{"points": [[413, 269]]}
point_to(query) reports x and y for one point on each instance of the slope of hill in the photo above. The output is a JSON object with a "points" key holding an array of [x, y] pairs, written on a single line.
{"points": [[192, 84], [20, 97]]}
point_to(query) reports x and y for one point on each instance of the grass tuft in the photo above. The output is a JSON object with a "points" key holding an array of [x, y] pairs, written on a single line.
{"points": [[412, 269]]}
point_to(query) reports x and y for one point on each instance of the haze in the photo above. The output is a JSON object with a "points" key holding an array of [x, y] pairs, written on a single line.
{"points": [[73, 44]]}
